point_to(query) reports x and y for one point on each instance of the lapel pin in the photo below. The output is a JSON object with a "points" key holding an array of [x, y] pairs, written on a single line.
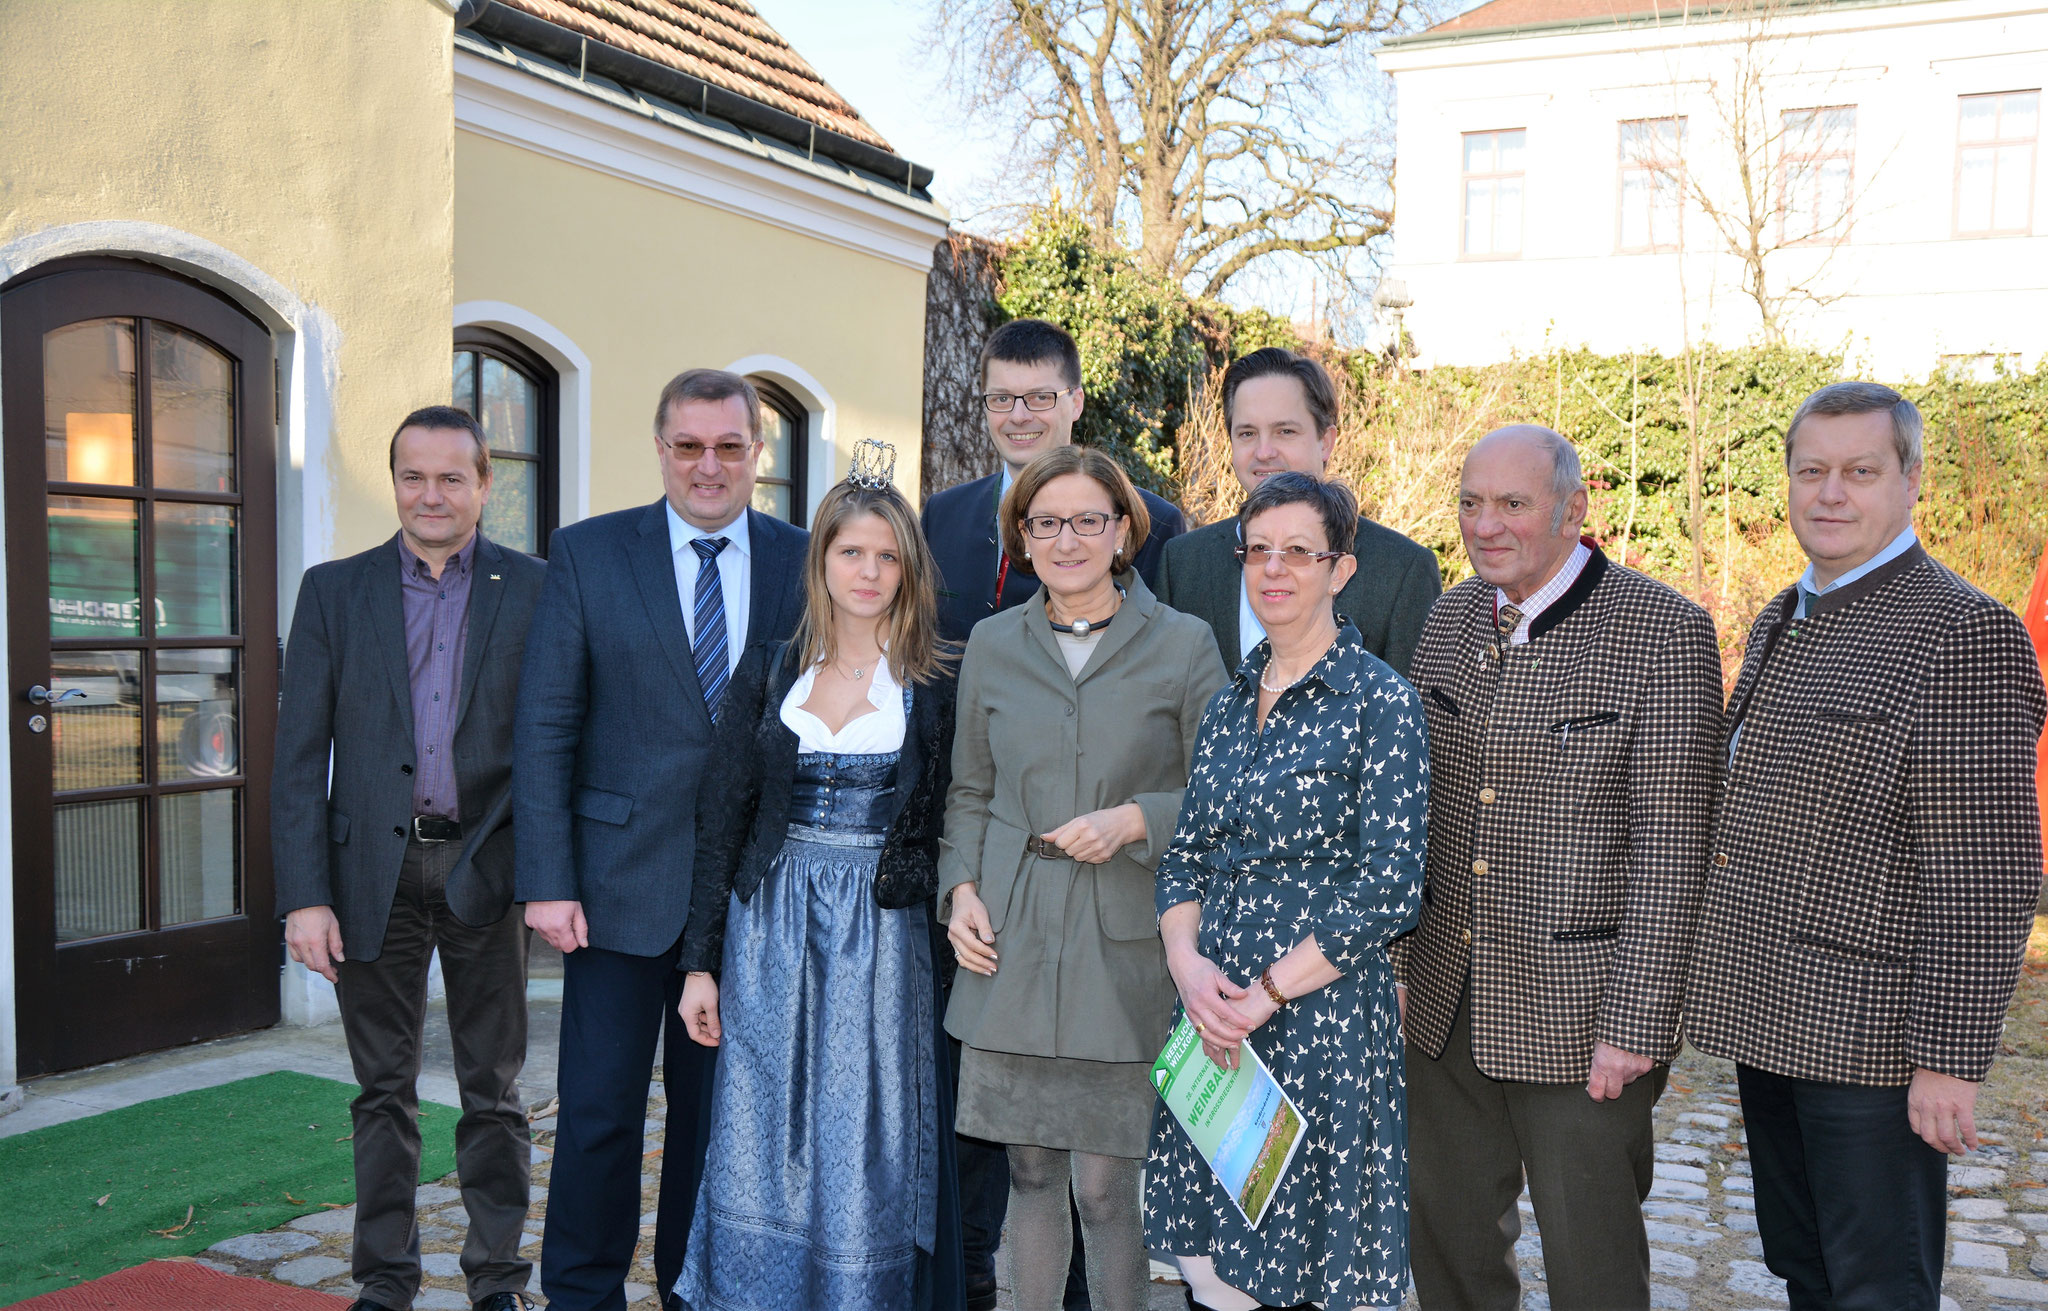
{"points": [[494, 578]]}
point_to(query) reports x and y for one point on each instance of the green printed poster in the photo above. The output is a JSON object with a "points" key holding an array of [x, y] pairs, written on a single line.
{"points": [[1239, 1120]]}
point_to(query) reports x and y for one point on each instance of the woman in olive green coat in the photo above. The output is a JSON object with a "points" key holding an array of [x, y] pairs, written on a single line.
{"points": [[1077, 719]]}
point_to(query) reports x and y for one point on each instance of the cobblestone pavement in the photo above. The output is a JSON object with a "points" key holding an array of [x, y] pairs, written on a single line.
{"points": [[1704, 1252]]}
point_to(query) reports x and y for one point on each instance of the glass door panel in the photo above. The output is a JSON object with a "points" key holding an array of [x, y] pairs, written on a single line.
{"points": [[195, 570], [98, 849], [95, 567], [198, 728], [200, 876], [89, 402], [96, 740], [191, 412]]}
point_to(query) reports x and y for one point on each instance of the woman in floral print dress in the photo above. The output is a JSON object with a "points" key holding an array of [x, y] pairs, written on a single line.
{"points": [[1297, 859]]}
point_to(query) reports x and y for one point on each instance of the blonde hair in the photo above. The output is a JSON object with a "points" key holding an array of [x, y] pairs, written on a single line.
{"points": [[1058, 463], [915, 652]]}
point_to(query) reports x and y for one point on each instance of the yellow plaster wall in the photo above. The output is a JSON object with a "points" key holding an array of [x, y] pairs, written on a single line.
{"points": [[314, 141], [648, 284]]}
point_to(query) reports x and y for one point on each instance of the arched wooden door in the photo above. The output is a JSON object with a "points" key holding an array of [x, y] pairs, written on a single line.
{"points": [[142, 647]]}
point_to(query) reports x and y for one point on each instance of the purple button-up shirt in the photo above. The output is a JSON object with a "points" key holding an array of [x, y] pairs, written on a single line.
{"points": [[436, 622]]}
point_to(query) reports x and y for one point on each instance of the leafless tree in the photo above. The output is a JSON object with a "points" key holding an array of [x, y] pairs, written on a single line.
{"points": [[1771, 177], [1201, 133]]}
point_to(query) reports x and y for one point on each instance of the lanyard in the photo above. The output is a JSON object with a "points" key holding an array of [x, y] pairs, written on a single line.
{"points": [[1003, 568]]}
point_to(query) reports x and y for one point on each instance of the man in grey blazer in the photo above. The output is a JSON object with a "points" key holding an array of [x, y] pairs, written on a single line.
{"points": [[637, 633], [402, 670], [1281, 409]]}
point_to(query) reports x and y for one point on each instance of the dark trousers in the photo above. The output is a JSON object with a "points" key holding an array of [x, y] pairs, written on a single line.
{"points": [[383, 1010], [1471, 1140], [1851, 1204], [614, 1009]]}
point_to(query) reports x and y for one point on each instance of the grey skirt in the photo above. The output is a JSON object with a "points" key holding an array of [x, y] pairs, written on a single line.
{"points": [[1061, 1102]]}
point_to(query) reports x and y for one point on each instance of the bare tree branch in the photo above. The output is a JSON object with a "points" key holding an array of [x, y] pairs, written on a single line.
{"points": [[1190, 130], [1744, 188]]}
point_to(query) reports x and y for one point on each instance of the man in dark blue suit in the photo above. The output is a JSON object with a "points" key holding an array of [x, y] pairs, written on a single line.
{"points": [[1030, 394], [642, 620]]}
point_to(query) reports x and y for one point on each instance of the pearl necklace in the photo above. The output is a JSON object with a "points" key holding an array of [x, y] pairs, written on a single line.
{"points": [[1298, 677]]}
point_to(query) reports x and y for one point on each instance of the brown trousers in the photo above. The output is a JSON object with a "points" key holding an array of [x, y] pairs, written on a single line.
{"points": [[1472, 1140], [383, 1012]]}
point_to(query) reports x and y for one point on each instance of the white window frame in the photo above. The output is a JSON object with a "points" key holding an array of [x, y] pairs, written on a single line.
{"points": [[1493, 177], [1831, 229], [1663, 173], [1995, 146]]}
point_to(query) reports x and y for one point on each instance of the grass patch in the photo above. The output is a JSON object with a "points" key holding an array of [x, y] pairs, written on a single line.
{"points": [[174, 1176]]}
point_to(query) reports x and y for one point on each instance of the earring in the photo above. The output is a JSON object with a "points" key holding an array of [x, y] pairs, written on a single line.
{"points": [[1027, 555]]}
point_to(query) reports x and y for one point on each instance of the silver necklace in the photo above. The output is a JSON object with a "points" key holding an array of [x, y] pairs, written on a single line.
{"points": [[1083, 627]]}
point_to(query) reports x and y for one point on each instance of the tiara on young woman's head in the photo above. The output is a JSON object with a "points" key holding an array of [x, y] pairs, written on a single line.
{"points": [[874, 464]]}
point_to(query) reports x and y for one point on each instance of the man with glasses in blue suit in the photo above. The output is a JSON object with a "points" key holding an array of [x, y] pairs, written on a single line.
{"points": [[642, 620], [1030, 395]]}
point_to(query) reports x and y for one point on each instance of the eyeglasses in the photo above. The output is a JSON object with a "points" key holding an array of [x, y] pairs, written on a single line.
{"points": [[1089, 523], [728, 452], [1002, 402], [1294, 557]]}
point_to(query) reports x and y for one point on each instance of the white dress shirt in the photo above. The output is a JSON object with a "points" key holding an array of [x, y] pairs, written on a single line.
{"points": [[735, 577], [1545, 596], [869, 733], [1250, 632]]}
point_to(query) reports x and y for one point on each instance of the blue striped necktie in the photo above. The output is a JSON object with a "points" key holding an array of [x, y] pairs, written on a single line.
{"points": [[709, 624]]}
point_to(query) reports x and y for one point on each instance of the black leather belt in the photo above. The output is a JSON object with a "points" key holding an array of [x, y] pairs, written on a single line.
{"points": [[435, 828], [1044, 850]]}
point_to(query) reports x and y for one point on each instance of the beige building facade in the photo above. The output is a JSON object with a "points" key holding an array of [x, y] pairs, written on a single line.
{"points": [[239, 242]]}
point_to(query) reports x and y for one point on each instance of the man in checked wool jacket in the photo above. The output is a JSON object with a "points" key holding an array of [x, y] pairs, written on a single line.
{"points": [[1574, 736], [1875, 865]]}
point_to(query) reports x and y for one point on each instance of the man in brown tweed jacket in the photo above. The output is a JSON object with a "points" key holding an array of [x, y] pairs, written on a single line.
{"points": [[1875, 864], [1574, 738]]}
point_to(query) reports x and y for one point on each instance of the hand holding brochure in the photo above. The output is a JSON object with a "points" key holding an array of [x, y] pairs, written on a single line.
{"points": [[1240, 1120]]}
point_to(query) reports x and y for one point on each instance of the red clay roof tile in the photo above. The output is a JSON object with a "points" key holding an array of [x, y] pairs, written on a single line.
{"points": [[1518, 13], [723, 42]]}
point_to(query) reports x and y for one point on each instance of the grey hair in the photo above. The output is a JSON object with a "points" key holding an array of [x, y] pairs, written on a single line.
{"points": [[709, 385], [1566, 477], [1839, 398]]}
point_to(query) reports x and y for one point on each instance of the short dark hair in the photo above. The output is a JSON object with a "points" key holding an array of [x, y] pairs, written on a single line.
{"points": [[1058, 463], [1032, 341], [446, 418], [1274, 362], [1330, 499], [709, 385], [1838, 398]]}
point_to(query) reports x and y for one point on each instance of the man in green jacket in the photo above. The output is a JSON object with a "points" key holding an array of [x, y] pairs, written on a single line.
{"points": [[1281, 410]]}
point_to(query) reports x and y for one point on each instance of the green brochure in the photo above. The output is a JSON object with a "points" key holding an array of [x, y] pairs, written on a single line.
{"points": [[1240, 1121]]}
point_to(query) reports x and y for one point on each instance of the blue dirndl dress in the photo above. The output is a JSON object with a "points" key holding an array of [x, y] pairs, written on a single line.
{"points": [[822, 1181]]}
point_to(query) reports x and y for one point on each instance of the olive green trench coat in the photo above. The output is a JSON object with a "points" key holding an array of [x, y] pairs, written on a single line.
{"points": [[1080, 969]]}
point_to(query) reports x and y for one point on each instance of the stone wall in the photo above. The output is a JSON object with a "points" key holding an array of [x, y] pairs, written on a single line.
{"points": [[960, 312]]}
